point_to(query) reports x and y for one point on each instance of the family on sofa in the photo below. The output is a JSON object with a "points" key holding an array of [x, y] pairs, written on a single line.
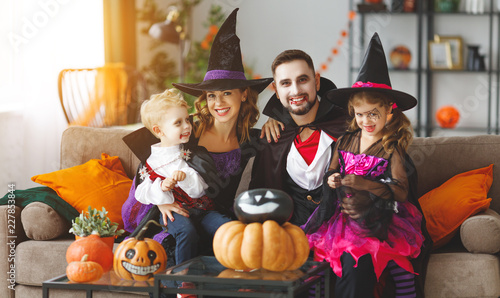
{"points": [[363, 216], [371, 199]]}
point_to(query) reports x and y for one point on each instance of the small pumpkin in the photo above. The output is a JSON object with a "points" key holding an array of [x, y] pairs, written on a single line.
{"points": [[139, 258], [84, 270], [447, 116], [95, 248], [271, 246], [261, 204]]}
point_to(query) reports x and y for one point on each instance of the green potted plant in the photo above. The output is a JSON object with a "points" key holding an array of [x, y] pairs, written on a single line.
{"points": [[95, 222]]}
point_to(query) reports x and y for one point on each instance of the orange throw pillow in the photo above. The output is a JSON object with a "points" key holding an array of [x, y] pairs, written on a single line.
{"points": [[446, 207], [96, 183]]}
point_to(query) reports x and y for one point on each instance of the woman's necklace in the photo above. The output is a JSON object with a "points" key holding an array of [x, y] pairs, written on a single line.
{"points": [[183, 154]]}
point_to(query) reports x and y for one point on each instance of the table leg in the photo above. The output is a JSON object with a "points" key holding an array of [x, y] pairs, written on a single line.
{"points": [[327, 282]]}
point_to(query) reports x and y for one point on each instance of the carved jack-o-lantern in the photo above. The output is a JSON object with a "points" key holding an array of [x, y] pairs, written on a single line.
{"points": [[139, 258], [259, 205]]}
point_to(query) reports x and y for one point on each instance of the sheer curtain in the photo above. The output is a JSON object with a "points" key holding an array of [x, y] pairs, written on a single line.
{"points": [[40, 38]]}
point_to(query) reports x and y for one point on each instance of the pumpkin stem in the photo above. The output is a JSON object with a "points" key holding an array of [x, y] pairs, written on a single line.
{"points": [[140, 235], [85, 258]]}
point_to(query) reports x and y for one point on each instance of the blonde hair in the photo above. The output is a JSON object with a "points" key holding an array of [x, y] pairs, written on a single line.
{"points": [[153, 109], [247, 117], [397, 131]]}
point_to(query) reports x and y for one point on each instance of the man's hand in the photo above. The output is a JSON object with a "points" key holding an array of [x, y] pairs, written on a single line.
{"points": [[178, 176], [167, 209], [272, 129]]}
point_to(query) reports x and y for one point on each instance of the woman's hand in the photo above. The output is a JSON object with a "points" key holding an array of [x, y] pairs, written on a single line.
{"points": [[167, 209], [334, 180], [272, 129]]}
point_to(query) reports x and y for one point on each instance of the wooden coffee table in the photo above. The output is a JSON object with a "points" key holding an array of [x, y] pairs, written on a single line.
{"points": [[109, 282]]}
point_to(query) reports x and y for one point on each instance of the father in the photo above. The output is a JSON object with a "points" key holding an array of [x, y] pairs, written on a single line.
{"points": [[297, 162]]}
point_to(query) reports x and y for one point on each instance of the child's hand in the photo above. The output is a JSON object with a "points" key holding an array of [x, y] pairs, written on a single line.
{"points": [[334, 180], [168, 184], [178, 176], [167, 209]]}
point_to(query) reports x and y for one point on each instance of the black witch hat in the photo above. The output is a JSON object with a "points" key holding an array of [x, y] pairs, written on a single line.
{"points": [[225, 67], [373, 76]]}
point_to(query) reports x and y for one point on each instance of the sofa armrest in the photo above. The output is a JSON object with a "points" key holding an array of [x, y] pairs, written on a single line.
{"points": [[481, 233], [11, 234]]}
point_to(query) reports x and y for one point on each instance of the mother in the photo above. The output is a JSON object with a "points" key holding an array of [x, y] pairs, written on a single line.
{"points": [[226, 111]]}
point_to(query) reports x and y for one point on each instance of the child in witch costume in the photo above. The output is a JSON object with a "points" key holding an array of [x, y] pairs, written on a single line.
{"points": [[370, 161], [225, 110]]}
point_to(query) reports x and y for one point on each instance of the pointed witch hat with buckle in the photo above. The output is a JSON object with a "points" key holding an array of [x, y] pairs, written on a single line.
{"points": [[225, 67], [373, 76]]}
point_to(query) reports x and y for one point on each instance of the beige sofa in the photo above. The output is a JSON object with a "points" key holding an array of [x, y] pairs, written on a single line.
{"points": [[453, 271]]}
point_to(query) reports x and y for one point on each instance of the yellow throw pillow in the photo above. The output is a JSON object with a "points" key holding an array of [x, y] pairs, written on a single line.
{"points": [[96, 183], [446, 207]]}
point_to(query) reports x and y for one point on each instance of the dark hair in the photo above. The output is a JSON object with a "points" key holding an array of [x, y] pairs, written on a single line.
{"points": [[291, 55]]}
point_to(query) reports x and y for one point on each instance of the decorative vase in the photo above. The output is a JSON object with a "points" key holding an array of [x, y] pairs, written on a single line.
{"points": [[472, 56]]}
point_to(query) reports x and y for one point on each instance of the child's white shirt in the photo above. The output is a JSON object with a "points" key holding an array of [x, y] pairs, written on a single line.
{"points": [[164, 161]]}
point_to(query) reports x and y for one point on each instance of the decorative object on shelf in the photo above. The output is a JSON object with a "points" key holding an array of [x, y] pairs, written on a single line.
{"points": [[139, 258], [269, 245], [447, 116], [372, 5], [95, 222], [84, 270], [456, 50], [446, 5], [261, 204], [473, 6], [400, 57], [475, 61], [397, 5], [439, 55], [95, 248], [410, 5]]}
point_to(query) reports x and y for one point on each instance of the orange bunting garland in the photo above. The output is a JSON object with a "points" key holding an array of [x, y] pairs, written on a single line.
{"points": [[335, 51]]}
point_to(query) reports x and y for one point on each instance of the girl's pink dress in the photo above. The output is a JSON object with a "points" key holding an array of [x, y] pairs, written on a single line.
{"points": [[342, 234]]}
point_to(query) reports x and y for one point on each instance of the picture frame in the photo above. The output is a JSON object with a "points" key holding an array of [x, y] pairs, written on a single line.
{"points": [[439, 55], [456, 50]]}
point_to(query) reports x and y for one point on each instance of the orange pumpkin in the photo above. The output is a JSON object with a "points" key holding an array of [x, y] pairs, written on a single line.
{"points": [[139, 258], [268, 245], [95, 248], [447, 117], [84, 270]]}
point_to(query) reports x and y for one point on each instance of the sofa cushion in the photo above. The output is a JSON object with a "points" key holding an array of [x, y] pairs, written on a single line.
{"points": [[481, 233], [97, 183], [462, 275], [447, 206], [42, 222]]}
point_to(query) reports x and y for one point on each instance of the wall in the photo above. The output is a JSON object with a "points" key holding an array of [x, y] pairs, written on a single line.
{"points": [[268, 27]]}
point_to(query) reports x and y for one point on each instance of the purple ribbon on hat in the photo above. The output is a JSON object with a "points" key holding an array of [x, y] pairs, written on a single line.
{"points": [[220, 74], [360, 84]]}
